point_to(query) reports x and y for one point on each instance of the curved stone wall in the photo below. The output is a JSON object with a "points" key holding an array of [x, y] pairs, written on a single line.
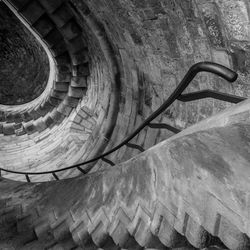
{"points": [[137, 54], [78, 108], [164, 38], [173, 196], [157, 42]]}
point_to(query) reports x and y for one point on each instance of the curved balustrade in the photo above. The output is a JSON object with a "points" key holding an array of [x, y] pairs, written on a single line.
{"points": [[210, 67]]}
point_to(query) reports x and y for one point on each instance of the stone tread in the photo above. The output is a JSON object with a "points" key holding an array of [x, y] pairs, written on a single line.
{"points": [[161, 227], [125, 231]]}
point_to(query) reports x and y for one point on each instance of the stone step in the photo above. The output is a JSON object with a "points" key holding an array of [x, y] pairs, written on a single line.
{"points": [[32, 12]]}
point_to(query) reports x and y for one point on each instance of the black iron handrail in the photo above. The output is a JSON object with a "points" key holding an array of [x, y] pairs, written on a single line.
{"points": [[210, 67]]}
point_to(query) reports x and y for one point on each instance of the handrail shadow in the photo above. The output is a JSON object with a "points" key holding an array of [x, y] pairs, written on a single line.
{"points": [[210, 67]]}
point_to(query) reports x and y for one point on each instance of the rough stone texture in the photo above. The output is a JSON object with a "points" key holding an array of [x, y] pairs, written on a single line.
{"points": [[150, 201], [157, 41], [23, 62], [167, 37], [50, 125], [190, 191]]}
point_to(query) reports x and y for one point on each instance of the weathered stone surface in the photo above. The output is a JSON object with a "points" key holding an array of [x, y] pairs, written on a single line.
{"points": [[151, 45], [59, 49], [154, 195], [64, 109], [71, 30], [32, 12], [29, 127], [53, 38], [236, 18], [62, 15], [19, 83], [166, 189], [213, 24], [61, 86], [51, 6], [8, 129], [78, 81], [43, 26]]}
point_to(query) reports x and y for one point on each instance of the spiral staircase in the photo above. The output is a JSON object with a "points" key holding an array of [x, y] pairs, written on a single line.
{"points": [[98, 161]]}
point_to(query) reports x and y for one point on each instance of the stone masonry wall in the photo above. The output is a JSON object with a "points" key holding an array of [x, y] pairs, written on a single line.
{"points": [[158, 41]]}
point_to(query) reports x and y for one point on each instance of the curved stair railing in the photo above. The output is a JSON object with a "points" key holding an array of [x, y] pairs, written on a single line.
{"points": [[210, 67]]}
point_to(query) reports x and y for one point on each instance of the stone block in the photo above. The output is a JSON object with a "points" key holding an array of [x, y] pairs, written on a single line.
{"points": [[76, 92], [35, 115], [170, 36], [61, 86], [61, 16], [71, 30], [64, 109], [240, 59], [83, 114], [43, 26], [77, 127], [63, 59], [76, 44], [17, 126], [58, 94], [235, 17], [221, 57], [60, 77], [86, 124], [29, 127], [8, 129], [26, 116], [19, 4], [17, 118], [78, 81], [48, 121], [20, 131], [87, 110], [71, 101], [9, 118], [58, 49], [80, 57], [53, 38], [213, 25], [51, 6], [32, 12], [57, 116], [81, 70], [44, 109], [63, 69], [189, 9], [77, 119], [196, 234], [54, 101], [2, 116], [40, 125], [232, 236]]}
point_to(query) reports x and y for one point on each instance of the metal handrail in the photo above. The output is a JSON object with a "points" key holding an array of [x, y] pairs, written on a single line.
{"points": [[210, 67]]}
